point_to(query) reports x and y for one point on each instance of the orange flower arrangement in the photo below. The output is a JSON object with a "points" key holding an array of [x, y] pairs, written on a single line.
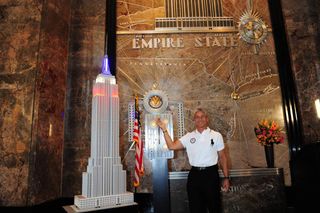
{"points": [[268, 132]]}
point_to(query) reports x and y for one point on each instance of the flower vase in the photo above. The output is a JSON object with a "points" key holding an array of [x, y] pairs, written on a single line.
{"points": [[268, 149]]}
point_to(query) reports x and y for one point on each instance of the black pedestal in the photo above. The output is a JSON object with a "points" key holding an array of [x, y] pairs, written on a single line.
{"points": [[161, 195]]}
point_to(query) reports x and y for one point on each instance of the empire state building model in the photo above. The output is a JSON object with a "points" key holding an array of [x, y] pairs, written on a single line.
{"points": [[104, 182]]}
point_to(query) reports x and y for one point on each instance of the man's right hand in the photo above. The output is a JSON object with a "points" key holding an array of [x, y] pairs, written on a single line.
{"points": [[161, 124]]}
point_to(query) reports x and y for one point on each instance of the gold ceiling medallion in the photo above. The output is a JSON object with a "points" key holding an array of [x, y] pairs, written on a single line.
{"points": [[235, 96], [252, 28]]}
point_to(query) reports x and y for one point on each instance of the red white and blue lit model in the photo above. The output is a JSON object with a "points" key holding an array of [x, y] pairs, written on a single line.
{"points": [[104, 182]]}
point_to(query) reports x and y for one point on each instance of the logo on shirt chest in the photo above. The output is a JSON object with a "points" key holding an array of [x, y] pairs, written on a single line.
{"points": [[192, 140]]}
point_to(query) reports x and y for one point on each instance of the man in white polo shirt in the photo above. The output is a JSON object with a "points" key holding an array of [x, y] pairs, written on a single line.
{"points": [[205, 149]]}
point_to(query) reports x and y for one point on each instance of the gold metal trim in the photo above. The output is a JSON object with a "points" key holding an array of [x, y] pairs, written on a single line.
{"points": [[176, 31], [234, 173]]}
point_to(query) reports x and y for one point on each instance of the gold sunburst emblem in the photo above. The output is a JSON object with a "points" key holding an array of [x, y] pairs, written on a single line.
{"points": [[252, 28]]}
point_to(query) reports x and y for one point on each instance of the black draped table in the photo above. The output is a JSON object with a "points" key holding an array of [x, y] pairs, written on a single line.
{"points": [[252, 190]]}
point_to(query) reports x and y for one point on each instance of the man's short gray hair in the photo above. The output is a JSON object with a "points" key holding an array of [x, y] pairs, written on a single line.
{"points": [[201, 110]]}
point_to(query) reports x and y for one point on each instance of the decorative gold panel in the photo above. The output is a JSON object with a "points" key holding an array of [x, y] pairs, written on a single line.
{"points": [[202, 66]]}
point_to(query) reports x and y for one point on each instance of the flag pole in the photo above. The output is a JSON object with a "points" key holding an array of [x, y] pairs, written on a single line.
{"points": [[128, 151]]}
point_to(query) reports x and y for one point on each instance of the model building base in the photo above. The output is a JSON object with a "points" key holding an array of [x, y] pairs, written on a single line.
{"points": [[73, 208], [83, 204]]}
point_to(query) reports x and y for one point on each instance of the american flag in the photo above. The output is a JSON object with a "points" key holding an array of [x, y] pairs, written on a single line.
{"points": [[138, 170]]}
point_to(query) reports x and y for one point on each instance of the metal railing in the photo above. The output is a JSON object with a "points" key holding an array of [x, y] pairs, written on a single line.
{"points": [[180, 23]]}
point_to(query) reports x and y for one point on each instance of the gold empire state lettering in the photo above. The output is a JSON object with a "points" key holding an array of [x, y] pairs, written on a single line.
{"points": [[178, 42], [142, 43], [219, 41]]}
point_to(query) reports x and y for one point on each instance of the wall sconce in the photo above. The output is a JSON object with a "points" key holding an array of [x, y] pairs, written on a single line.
{"points": [[317, 103]]}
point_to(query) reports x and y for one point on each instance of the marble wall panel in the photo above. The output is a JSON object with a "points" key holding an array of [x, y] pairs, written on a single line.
{"points": [[302, 26], [19, 41], [33, 82], [50, 95]]}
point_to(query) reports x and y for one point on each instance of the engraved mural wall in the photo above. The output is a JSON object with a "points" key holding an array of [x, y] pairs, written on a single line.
{"points": [[196, 56]]}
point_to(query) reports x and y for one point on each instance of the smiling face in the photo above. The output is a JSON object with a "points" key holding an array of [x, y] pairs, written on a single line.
{"points": [[201, 120]]}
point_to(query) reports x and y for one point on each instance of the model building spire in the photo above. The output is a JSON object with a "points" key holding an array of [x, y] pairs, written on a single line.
{"points": [[104, 182]]}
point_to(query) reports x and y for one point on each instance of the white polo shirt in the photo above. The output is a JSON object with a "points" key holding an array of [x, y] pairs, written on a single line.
{"points": [[201, 152]]}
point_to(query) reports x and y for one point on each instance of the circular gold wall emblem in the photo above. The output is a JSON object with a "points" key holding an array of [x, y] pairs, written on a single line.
{"points": [[252, 29], [155, 101]]}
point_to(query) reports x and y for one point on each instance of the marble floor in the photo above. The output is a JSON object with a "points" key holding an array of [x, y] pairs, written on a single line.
{"points": [[144, 201]]}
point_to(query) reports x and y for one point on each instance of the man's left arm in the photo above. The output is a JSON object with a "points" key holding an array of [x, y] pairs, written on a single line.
{"points": [[224, 166]]}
